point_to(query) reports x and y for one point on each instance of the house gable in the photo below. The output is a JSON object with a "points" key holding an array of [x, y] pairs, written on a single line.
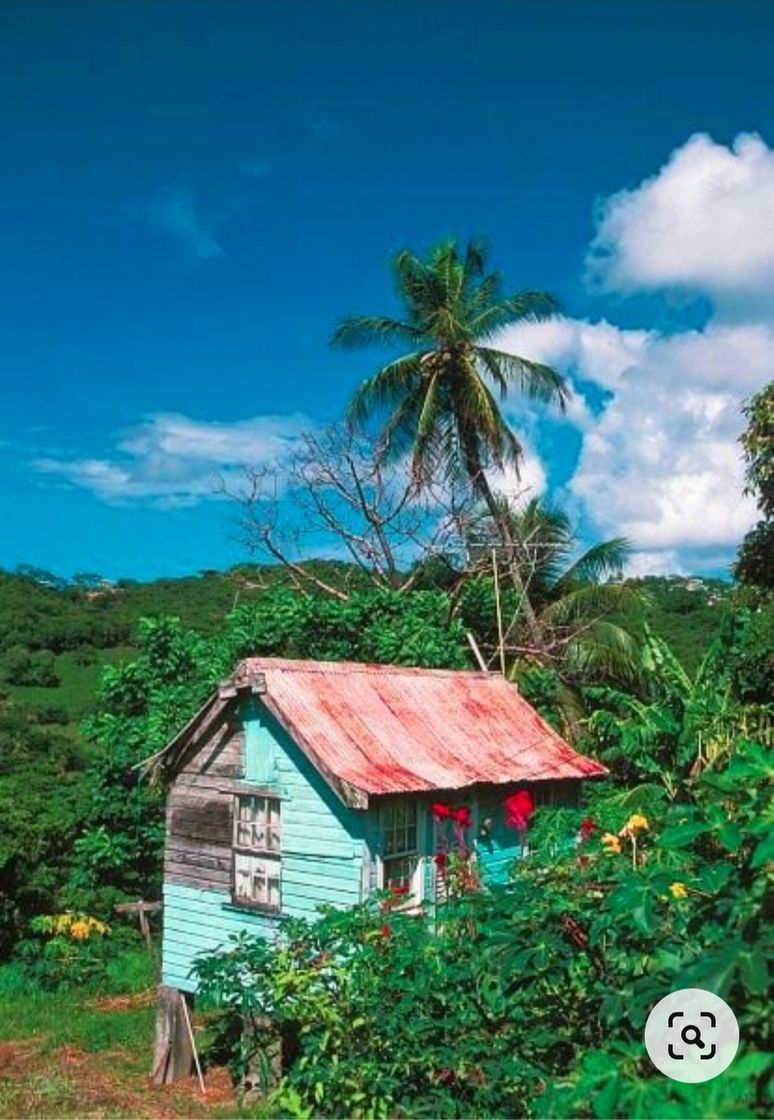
{"points": [[323, 844]]}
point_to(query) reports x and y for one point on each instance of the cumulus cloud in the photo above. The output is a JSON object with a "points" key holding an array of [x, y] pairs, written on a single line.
{"points": [[660, 414], [705, 222], [660, 461], [173, 461], [662, 465]]}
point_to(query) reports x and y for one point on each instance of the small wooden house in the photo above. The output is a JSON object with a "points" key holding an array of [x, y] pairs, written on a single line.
{"points": [[304, 782]]}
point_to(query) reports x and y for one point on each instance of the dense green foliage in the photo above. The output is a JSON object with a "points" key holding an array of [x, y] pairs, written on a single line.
{"points": [[530, 999], [755, 561], [679, 722], [43, 792], [80, 827]]}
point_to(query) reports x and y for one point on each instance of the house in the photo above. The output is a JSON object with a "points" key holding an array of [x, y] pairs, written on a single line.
{"points": [[306, 782]]}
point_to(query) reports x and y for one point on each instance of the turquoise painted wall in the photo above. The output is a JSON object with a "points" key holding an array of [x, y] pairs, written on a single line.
{"points": [[323, 846], [197, 921], [502, 846]]}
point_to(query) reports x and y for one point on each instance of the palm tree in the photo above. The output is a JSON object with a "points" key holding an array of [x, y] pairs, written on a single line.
{"points": [[438, 402], [574, 597], [579, 602]]}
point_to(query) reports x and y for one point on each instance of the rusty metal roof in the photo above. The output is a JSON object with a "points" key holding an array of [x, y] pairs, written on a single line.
{"points": [[389, 729]]}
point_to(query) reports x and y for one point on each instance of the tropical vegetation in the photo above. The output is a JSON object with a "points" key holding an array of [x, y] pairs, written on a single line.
{"points": [[526, 999]]}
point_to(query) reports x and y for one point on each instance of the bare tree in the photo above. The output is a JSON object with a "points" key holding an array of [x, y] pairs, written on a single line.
{"points": [[337, 498]]}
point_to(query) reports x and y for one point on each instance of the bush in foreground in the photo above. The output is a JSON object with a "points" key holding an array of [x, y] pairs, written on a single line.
{"points": [[530, 999]]}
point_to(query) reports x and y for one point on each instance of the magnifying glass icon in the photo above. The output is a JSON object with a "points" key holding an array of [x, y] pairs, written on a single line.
{"points": [[694, 1039]]}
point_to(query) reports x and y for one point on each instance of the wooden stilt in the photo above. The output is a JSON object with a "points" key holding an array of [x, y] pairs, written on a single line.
{"points": [[173, 1054]]}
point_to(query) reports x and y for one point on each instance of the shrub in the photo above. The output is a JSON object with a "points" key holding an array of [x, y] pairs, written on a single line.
{"points": [[21, 667], [528, 999], [67, 950]]}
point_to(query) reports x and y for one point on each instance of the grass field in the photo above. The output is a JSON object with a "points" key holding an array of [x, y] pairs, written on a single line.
{"points": [[75, 1054], [78, 689]]}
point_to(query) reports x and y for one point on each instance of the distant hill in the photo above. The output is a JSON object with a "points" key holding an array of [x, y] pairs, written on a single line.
{"points": [[686, 611], [56, 636]]}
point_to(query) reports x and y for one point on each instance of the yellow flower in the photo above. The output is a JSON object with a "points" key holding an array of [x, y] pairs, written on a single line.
{"points": [[79, 931], [678, 890], [636, 823], [611, 842]]}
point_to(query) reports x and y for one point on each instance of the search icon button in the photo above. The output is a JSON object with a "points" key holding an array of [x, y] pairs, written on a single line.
{"points": [[691, 1035], [694, 1039]]}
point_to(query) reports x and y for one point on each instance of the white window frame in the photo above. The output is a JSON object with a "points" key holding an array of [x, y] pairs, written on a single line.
{"points": [[396, 817], [257, 852]]}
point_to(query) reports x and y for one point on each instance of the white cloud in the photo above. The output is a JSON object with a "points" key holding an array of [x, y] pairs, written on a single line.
{"points": [[660, 414], [175, 212], [662, 465], [666, 563], [705, 222], [660, 461], [529, 482], [171, 460]]}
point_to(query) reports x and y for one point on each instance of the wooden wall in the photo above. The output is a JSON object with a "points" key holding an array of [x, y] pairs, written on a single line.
{"points": [[324, 846], [504, 844], [328, 849]]}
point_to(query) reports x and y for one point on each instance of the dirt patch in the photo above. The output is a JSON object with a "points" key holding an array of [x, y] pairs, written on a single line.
{"points": [[125, 1003], [69, 1081], [13, 1055]]}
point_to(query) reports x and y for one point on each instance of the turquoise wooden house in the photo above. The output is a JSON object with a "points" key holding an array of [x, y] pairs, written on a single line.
{"points": [[303, 782]]}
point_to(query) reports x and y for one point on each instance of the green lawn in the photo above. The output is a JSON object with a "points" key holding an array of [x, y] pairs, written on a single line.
{"points": [[76, 1054], [79, 684]]}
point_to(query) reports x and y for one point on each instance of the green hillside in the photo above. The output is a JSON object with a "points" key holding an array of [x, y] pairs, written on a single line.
{"points": [[55, 637]]}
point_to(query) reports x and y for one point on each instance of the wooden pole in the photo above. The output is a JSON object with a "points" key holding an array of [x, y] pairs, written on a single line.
{"points": [[173, 1053], [142, 909], [500, 639], [187, 1018], [477, 653]]}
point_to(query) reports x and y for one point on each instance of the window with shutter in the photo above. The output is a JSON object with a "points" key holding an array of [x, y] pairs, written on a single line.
{"points": [[257, 852]]}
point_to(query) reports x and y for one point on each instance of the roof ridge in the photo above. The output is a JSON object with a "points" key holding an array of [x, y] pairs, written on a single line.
{"points": [[313, 665]]}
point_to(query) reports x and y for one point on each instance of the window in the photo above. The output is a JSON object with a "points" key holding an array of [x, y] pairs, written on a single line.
{"points": [[257, 842], [400, 852]]}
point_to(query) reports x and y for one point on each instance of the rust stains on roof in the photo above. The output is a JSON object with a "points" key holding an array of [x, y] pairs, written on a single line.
{"points": [[383, 729]]}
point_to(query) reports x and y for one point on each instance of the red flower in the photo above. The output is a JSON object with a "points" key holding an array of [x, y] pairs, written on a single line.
{"points": [[440, 861], [462, 817], [519, 807], [442, 812], [587, 828], [386, 931], [398, 892]]}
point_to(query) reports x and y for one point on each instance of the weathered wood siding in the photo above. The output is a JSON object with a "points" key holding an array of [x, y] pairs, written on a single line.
{"points": [[323, 841]]}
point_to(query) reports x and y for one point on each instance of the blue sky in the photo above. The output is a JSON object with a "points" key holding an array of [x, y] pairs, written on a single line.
{"points": [[194, 192]]}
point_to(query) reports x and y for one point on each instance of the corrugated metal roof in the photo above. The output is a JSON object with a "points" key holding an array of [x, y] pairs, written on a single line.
{"points": [[388, 729]]}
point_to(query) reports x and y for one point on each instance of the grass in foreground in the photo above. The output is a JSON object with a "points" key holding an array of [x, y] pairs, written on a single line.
{"points": [[82, 1054]]}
